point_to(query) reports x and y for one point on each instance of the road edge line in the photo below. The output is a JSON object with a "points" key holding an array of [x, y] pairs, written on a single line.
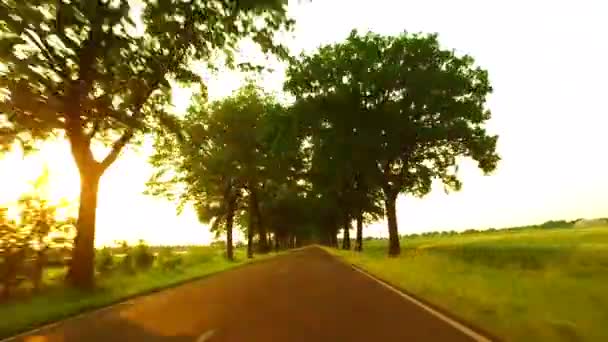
{"points": [[130, 299], [475, 335]]}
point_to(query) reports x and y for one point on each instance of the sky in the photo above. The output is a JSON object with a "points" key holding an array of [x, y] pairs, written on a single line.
{"points": [[547, 62]]}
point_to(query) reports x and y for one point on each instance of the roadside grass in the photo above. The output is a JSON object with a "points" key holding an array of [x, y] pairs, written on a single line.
{"points": [[548, 285], [58, 302]]}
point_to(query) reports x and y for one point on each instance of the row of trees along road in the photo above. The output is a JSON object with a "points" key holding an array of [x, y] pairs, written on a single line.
{"points": [[96, 73], [373, 116]]}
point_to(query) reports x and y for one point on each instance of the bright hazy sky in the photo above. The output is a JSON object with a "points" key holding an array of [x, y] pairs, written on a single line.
{"points": [[547, 62]]}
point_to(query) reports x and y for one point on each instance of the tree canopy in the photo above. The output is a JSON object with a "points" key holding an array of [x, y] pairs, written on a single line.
{"points": [[98, 72], [400, 108], [373, 116], [230, 154]]}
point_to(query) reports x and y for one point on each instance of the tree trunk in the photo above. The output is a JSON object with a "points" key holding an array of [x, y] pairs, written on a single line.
{"points": [[276, 242], [346, 236], [333, 239], [249, 243], [251, 226], [82, 266], [39, 266], [229, 224], [261, 230], [394, 249], [284, 241], [359, 242]]}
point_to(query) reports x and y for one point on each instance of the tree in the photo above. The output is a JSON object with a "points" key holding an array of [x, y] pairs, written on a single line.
{"points": [[25, 243], [339, 170], [39, 219], [368, 208], [13, 244], [285, 212], [191, 168], [222, 160], [416, 107], [93, 72]]}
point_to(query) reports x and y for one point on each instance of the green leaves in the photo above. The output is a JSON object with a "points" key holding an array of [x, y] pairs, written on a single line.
{"points": [[97, 63], [412, 101], [224, 146], [391, 113]]}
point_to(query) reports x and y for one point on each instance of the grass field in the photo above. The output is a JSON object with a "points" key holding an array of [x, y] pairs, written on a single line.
{"points": [[528, 285], [57, 302]]}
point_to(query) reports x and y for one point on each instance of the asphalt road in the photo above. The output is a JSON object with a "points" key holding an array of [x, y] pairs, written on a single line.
{"points": [[306, 295]]}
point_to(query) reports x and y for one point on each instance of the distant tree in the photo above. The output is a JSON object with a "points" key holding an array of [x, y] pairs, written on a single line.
{"points": [[142, 256], [557, 224], [223, 161], [339, 171], [98, 75], [416, 107], [368, 209]]}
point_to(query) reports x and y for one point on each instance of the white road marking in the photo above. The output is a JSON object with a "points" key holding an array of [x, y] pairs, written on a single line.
{"points": [[462, 328], [53, 325], [206, 336]]}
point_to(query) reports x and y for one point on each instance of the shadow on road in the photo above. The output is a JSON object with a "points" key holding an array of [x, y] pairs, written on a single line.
{"points": [[114, 329]]}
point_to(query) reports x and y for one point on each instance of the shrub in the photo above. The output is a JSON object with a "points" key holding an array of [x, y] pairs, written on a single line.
{"points": [[167, 260], [126, 263], [104, 260], [201, 255], [218, 244], [142, 256], [11, 262], [14, 244]]}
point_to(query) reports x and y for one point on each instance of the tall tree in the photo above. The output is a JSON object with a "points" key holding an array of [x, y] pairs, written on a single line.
{"points": [[368, 208], [98, 73], [417, 107], [222, 160], [340, 170]]}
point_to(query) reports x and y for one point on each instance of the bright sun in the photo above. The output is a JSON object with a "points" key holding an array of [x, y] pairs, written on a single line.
{"points": [[124, 213]]}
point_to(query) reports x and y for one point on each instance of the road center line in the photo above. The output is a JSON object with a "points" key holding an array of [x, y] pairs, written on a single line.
{"points": [[206, 336]]}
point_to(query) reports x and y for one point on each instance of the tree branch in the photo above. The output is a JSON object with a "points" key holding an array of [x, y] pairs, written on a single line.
{"points": [[94, 129], [116, 148], [45, 51], [140, 101]]}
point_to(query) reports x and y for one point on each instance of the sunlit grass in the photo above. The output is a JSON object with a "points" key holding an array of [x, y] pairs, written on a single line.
{"points": [[544, 285], [58, 302]]}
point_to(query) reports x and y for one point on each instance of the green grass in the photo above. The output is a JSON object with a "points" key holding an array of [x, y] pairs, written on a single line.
{"points": [[544, 285], [58, 302]]}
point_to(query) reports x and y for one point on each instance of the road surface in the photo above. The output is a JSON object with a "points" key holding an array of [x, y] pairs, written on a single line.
{"points": [[306, 295]]}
